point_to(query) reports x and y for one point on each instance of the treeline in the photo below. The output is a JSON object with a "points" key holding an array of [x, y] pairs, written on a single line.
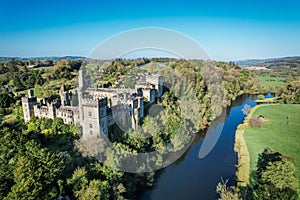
{"points": [[222, 77], [274, 179], [289, 93], [39, 161], [238, 80], [63, 69], [23, 77]]}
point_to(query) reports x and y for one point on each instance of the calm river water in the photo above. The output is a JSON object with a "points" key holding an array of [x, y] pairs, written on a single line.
{"points": [[194, 178]]}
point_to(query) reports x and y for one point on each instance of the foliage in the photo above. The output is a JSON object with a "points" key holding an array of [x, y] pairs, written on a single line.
{"points": [[289, 93], [63, 68], [41, 162], [275, 177], [255, 122], [260, 97], [242, 126], [227, 193], [6, 99], [35, 173]]}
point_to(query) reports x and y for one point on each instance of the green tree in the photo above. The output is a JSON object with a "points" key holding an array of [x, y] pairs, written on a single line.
{"points": [[227, 193], [260, 97], [11, 142], [5, 99], [84, 189], [18, 82], [35, 173], [275, 177]]}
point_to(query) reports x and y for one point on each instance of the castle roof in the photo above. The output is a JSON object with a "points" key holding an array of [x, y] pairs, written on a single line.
{"points": [[68, 109]]}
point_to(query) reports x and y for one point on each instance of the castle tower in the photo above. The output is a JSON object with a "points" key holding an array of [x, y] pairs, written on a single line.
{"points": [[80, 95], [28, 103], [141, 106], [138, 112], [64, 96], [157, 81], [94, 123], [51, 110]]}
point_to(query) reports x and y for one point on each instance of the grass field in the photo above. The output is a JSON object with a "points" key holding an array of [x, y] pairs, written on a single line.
{"points": [[150, 67], [37, 92], [281, 132], [45, 68], [271, 81], [49, 87]]}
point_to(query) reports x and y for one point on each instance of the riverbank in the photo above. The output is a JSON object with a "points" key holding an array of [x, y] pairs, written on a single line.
{"points": [[279, 132], [240, 146]]}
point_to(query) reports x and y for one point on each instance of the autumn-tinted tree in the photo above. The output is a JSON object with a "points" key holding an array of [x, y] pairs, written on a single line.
{"points": [[227, 193]]}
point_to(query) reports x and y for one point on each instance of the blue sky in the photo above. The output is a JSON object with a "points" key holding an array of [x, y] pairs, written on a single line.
{"points": [[227, 30]]}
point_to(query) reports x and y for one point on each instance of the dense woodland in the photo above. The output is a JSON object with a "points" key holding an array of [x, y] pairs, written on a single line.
{"points": [[40, 159]]}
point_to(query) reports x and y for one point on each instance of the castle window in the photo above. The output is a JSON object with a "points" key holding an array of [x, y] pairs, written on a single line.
{"points": [[90, 114], [91, 132], [91, 125]]}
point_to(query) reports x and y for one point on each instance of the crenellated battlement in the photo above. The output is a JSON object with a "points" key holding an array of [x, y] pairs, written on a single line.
{"points": [[91, 102]]}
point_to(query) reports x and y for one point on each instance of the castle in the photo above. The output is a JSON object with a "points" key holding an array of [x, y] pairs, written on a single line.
{"points": [[95, 109]]}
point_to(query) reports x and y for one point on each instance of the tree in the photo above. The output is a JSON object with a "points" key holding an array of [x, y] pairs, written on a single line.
{"points": [[57, 124], [255, 122], [85, 189], [48, 62], [227, 193], [5, 99], [275, 177], [11, 142], [18, 82], [12, 66], [260, 97], [35, 173]]}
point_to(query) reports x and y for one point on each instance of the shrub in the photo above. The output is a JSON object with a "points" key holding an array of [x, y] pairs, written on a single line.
{"points": [[255, 122], [260, 97], [242, 126]]}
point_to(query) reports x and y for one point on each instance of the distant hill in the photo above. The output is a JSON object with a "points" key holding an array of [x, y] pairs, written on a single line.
{"points": [[289, 62], [54, 58]]}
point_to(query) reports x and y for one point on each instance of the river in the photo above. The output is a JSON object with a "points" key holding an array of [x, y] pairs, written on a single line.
{"points": [[193, 178]]}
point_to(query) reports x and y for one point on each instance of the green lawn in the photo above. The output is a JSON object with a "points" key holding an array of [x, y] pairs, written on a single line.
{"points": [[37, 92], [49, 87], [149, 67], [271, 81], [280, 133], [49, 68]]}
